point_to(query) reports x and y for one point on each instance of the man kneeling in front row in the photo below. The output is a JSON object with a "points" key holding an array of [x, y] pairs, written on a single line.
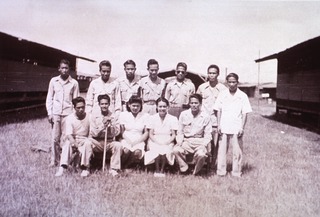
{"points": [[77, 132], [194, 135], [100, 121]]}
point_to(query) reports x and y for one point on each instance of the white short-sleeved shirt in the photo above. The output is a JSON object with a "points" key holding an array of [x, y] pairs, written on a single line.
{"points": [[133, 124], [232, 107], [194, 126], [162, 127], [151, 90], [127, 89], [179, 92], [77, 127], [98, 87]]}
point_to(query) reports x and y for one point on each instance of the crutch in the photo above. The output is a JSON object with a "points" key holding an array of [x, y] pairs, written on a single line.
{"points": [[105, 148]]}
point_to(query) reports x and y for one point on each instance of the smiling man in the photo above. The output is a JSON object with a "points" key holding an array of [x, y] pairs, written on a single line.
{"points": [[194, 135]]}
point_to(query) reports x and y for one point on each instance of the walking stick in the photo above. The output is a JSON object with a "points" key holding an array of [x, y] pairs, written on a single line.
{"points": [[105, 148]]}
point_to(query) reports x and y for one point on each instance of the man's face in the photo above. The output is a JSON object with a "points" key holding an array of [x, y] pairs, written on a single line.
{"points": [[232, 84], [130, 71], [105, 72], [180, 73], [194, 105], [80, 109], [104, 105], [153, 71], [64, 70], [213, 74]]}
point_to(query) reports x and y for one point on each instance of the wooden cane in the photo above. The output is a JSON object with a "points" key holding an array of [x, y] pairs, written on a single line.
{"points": [[105, 149]]}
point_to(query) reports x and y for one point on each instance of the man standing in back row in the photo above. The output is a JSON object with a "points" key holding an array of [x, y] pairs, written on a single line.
{"points": [[152, 88], [209, 92], [130, 85], [232, 106], [62, 89], [179, 90], [103, 85]]}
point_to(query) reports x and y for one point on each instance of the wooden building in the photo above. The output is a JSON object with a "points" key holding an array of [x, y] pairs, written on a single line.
{"points": [[26, 68], [249, 89], [197, 79], [298, 88]]}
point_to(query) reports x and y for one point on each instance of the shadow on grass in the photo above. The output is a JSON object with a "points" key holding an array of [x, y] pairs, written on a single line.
{"points": [[246, 168], [22, 115], [302, 121]]}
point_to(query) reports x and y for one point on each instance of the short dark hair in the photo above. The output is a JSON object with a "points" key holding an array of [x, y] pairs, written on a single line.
{"points": [[103, 96], [134, 99], [64, 61], [104, 63], [182, 64], [78, 99], [196, 96], [152, 62], [213, 66], [129, 62], [232, 75]]}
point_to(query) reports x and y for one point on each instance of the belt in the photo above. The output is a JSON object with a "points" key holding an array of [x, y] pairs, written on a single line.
{"points": [[150, 102], [175, 105], [194, 136]]}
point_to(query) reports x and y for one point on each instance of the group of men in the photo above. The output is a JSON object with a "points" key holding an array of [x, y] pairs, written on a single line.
{"points": [[87, 125]]}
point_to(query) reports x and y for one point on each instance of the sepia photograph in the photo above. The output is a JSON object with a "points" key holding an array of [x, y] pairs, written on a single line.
{"points": [[159, 108]]}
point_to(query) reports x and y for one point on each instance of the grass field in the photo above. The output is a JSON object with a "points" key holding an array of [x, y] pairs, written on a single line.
{"points": [[281, 178]]}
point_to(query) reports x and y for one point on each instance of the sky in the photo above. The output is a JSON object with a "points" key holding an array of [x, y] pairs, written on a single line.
{"points": [[231, 34]]}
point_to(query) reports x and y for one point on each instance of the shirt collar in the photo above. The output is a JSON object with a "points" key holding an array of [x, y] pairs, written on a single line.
{"points": [[58, 78], [158, 81]]}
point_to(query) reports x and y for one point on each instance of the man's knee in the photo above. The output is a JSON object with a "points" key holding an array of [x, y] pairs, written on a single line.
{"points": [[117, 145]]}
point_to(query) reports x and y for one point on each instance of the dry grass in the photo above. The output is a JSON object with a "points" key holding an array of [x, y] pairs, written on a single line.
{"points": [[281, 178]]}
